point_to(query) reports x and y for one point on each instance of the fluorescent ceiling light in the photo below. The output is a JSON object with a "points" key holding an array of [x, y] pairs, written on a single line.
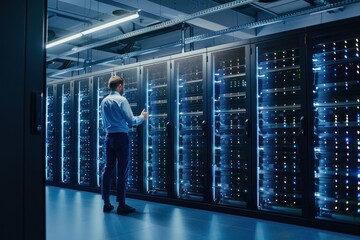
{"points": [[94, 29], [62, 40], [109, 24]]}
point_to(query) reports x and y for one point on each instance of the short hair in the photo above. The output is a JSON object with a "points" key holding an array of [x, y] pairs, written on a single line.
{"points": [[115, 81]]}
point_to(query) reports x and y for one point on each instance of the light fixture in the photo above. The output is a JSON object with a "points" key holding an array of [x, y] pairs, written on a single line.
{"points": [[94, 29]]}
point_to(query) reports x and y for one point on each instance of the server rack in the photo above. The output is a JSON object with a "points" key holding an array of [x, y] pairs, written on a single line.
{"points": [[132, 93], [158, 152], [336, 106], [101, 89], [280, 104], [65, 147], [82, 91], [231, 179], [50, 165], [191, 128]]}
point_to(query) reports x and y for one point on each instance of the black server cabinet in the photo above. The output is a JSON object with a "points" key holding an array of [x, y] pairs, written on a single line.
{"points": [[158, 152], [231, 178], [101, 90], [50, 162], [336, 106], [191, 160], [280, 113], [83, 141], [65, 136], [133, 94]]}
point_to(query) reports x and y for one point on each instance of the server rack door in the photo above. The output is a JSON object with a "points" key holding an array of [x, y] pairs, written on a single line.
{"points": [[83, 130], [158, 164], [65, 136], [336, 106], [190, 128], [50, 165], [132, 94], [280, 126], [231, 161], [101, 91]]}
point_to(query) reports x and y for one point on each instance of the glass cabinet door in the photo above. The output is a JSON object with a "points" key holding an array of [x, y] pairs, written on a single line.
{"points": [[336, 71], [190, 134], [230, 162], [132, 94], [66, 147], [279, 111], [83, 120], [101, 91], [50, 135], [158, 168]]}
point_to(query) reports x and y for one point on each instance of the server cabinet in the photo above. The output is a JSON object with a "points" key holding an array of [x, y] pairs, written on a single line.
{"points": [[50, 165], [65, 146], [132, 93], [280, 113], [336, 106], [100, 83], [191, 126], [230, 134], [158, 152], [82, 90]]}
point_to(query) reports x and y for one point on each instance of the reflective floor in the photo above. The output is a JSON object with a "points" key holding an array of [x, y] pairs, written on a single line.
{"points": [[77, 215]]}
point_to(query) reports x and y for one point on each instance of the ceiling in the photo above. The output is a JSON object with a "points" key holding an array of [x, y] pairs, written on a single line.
{"points": [[167, 27]]}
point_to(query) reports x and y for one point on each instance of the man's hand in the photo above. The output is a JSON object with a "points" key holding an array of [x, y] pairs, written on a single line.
{"points": [[144, 114]]}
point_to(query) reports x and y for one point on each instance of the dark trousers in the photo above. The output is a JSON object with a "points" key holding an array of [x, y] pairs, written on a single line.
{"points": [[117, 154]]}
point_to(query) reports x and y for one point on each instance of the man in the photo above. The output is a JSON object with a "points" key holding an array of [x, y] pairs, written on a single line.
{"points": [[117, 117]]}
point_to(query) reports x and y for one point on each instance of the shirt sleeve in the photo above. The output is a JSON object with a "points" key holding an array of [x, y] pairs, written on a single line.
{"points": [[129, 116]]}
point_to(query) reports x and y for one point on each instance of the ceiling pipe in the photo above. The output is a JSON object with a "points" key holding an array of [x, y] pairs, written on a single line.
{"points": [[131, 9], [183, 38], [162, 25], [214, 34], [324, 2], [273, 20], [116, 58], [264, 9], [191, 33], [72, 16]]}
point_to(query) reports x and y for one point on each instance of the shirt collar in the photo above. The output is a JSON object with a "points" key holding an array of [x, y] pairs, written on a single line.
{"points": [[114, 92]]}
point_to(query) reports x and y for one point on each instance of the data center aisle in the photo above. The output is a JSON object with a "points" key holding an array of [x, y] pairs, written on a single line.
{"points": [[77, 215]]}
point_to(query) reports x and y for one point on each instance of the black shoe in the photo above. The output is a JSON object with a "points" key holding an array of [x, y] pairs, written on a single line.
{"points": [[125, 209], [108, 207]]}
